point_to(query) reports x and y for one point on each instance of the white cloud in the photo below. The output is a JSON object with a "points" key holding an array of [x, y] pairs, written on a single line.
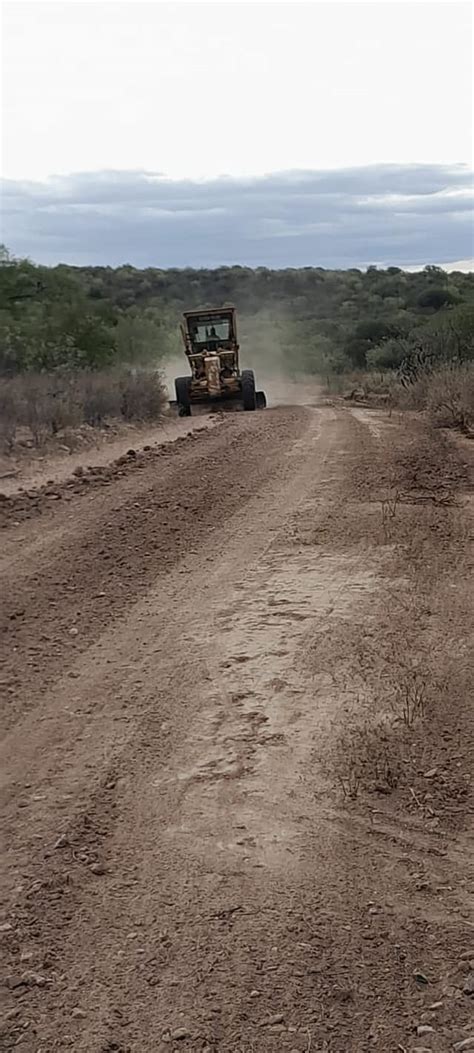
{"points": [[198, 89]]}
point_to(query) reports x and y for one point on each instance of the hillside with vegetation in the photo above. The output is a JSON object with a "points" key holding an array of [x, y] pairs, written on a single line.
{"points": [[82, 337]]}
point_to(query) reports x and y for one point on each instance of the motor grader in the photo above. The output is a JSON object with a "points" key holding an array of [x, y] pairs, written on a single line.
{"points": [[210, 342]]}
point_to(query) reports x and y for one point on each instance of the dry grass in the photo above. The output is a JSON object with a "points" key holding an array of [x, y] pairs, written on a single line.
{"points": [[359, 384], [389, 505], [38, 406], [406, 666], [450, 397], [367, 761], [447, 395], [375, 754]]}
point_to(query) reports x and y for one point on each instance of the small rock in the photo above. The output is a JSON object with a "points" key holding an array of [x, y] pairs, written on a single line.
{"points": [[6, 927], [78, 471], [430, 774], [278, 1018], [436, 1005], [254, 994], [74, 631], [468, 985], [466, 955], [78, 1014], [33, 980], [424, 1029], [420, 977], [467, 1043], [179, 1033], [98, 869]]}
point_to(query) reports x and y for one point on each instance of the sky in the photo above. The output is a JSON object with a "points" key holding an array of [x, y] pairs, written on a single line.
{"points": [[281, 134]]}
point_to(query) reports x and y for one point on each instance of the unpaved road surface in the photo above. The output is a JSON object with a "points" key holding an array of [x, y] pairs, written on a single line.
{"points": [[27, 469], [238, 744]]}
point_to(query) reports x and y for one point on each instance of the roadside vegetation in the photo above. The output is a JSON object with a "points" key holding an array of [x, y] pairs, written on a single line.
{"points": [[84, 344]]}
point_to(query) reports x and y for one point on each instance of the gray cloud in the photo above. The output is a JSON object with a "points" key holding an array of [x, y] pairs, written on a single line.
{"points": [[387, 214]]}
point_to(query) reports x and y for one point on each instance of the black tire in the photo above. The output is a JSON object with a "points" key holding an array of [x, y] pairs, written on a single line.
{"points": [[261, 400], [182, 385], [249, 395]]}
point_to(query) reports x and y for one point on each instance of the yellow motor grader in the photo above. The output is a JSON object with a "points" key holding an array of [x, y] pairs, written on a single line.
{"points": [[210, 342]]}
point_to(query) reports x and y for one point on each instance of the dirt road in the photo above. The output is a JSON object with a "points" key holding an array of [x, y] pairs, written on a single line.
{"points": [[237, 752]]}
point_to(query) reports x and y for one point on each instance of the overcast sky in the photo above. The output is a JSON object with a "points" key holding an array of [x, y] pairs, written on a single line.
{"points": [[104, 96]]}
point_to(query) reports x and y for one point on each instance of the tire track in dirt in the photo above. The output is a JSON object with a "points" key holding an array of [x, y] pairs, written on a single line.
{"points": [[65, 578], [182, 818]]}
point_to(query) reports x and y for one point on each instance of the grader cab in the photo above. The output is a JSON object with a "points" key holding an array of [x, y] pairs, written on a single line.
{"points": [[210, 343]]}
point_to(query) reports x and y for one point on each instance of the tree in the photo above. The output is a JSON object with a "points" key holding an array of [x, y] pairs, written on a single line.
{"points": [[437, 297], [366, 335], [389, 354], [293, 319]]}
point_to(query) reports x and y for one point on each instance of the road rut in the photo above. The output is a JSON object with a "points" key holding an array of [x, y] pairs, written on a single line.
{"points": [[183, 866]]}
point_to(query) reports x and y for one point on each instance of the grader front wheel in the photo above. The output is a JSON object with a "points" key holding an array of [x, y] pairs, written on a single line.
{"points": [[182, 385], [249, 395]]}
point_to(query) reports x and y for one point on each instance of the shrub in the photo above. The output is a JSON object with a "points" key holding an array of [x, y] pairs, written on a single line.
{"points": [[143, 395], [437, 297], [450, 396], [36, 405], [8, 415], [447, 394], [99, 395], [46, 403]]}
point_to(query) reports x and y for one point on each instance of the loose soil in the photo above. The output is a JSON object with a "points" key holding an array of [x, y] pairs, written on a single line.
{"points": [[237, 759], [27, 468]]}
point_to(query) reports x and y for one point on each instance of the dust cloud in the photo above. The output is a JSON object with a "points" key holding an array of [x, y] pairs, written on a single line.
{"points": [[263, 351], [173, 367]]}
